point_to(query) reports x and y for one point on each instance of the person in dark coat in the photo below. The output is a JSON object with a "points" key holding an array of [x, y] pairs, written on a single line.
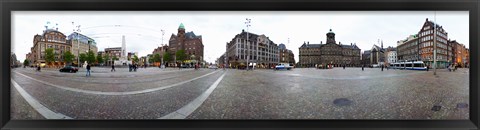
{"points": [[363, 67], [113, 68], [38, 68], [88, 70]]}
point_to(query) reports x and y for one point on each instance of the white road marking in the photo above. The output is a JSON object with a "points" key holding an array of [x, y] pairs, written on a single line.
{"points": [[186, 110], [116, 93], [44, 111]]}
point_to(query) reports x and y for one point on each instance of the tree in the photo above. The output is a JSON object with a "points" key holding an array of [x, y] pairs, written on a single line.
{"points": [[26, 62], [90, 57], [156, 58], [83, 58], [150, 59], [114, 58], [68, 57], [135, 59], [180, 54], [99, 59], [106, 58], [49, 55], [167, 57]]}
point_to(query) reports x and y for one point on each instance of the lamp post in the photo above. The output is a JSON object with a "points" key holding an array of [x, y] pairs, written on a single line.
{"points": [[78, 42], [163, 33], [248, 47]]}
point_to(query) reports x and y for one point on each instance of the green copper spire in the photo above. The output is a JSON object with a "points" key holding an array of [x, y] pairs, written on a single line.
{"points": [[181, 26]]}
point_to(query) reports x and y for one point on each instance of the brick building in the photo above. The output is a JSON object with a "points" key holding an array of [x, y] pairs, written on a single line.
{"points": [[188, 41]]}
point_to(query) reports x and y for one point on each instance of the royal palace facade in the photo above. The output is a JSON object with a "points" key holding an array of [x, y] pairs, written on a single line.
{"points": [[331, 53]]}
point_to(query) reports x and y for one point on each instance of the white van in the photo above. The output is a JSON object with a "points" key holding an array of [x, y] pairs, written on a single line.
{"points": [[283, 66]]}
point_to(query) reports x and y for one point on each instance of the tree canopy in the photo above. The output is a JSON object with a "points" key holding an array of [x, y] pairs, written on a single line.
{"points": [[26, 62], [49, 55], [90, 57], [181, 55], [68, 57]]}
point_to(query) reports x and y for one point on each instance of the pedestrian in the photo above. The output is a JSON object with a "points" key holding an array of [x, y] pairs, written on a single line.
{"points": [[38, 68], [450, 68], [454, 68], [428, 67], [343, 66], [382, 67], [113, 68], [88, 70], [363, 67]]}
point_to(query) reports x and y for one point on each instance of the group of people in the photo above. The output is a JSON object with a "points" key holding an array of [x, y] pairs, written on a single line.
{"points": [[132, 67], [452, 67]]}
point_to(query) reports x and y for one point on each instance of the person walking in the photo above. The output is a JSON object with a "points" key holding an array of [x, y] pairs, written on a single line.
{"points": [[382, 67], [363, 67], [38, 68], [113, 68], [343, 66], [88, 70]]}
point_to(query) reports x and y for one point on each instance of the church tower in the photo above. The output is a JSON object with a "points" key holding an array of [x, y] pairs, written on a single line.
{"points": [[330, 37], [181, 36]]}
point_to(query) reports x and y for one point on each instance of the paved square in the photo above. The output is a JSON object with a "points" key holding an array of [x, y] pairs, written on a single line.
{"points": [[301, 93]]}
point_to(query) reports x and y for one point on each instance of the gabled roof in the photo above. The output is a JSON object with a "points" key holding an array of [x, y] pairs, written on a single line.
{"points": [[190, 35]]}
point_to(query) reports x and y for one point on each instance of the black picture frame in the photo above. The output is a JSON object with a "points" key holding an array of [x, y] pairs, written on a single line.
{"points": [[238, 5]]}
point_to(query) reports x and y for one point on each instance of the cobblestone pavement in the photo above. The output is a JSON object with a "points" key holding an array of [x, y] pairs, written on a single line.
{"points": [[312, 94], [301, 93]]}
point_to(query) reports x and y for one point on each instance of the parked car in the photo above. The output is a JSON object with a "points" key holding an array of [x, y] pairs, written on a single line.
{"points": [[286, 66], [70, 69], [184, 66]]}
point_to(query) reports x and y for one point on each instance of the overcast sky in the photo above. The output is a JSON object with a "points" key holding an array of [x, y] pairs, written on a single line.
{"points": [[142, 29]]}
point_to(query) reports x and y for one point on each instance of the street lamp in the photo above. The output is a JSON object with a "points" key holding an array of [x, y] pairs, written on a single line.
{"points": [[163, 33], [248, 47], [78, 42]]}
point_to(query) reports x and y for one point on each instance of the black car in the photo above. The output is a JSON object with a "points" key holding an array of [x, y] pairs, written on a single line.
{"points": [[70, 69]]}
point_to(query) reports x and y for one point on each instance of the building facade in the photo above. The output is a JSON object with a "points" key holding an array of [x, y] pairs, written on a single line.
{"points": [[259, 50], [331, 53], [191, 43], [113, 53], [49, 39], [366, 57], [286, 55], [162, 50], [390, 55], [407, 49], [426, 37], [81, 44], [459, 54]]}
